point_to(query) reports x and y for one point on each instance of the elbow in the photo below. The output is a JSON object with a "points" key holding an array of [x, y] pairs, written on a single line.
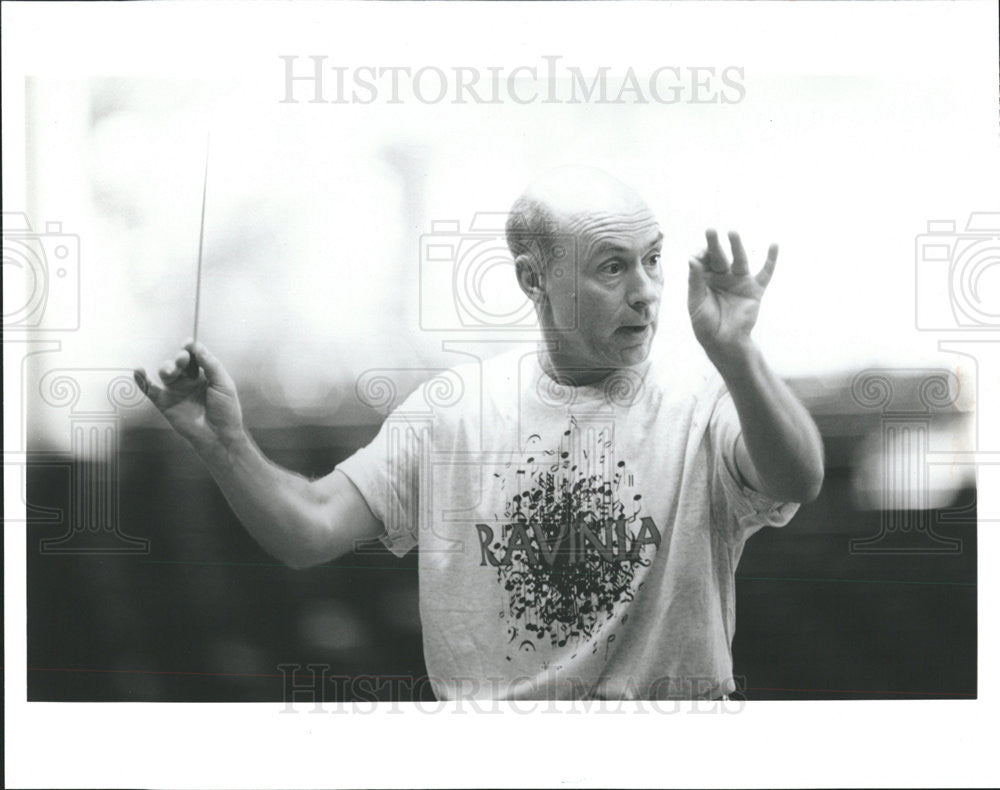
{"points": [[301, 560], [308, 542], [299, 557], [809, 482], [810, 485], [817, 473], [297, 563], [803, 487], [311, 555], [811, 491]]}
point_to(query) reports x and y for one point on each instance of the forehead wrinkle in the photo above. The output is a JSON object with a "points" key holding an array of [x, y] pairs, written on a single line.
{"points": [[583, 206], [593, 223], [597, 231]]}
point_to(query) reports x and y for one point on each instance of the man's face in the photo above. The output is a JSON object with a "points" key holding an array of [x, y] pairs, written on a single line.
{"points": [[605, 317]]}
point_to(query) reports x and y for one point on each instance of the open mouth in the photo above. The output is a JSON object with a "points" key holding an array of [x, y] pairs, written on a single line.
{"points": [[635, 335]]}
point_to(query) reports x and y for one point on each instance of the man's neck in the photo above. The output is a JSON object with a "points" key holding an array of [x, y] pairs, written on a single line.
{"points": [[571, 372]]}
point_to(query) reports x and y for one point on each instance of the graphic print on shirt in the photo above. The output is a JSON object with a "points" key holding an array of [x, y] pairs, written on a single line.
{"points": [[573, 539]]}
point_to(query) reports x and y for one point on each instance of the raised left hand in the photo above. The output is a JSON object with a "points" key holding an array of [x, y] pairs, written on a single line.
{"points": [[724, 299]]}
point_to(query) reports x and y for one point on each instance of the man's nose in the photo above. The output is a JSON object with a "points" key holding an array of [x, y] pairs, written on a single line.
{"points": [[644, 288]]}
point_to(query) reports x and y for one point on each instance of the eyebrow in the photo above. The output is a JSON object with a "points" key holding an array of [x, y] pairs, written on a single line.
{"points": [[608, 245]]}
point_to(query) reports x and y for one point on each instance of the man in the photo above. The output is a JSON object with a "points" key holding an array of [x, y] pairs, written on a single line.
{"points": [[581, 510]]}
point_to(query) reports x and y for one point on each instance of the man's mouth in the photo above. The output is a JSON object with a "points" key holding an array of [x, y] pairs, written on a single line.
{"points": [[635, 334]]}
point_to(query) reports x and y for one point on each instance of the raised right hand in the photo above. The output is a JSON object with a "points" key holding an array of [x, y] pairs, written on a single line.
{"points": [[204, 410]]}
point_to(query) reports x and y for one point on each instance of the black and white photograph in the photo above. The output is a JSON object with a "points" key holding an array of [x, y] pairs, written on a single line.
{"points": [[390, 382]]}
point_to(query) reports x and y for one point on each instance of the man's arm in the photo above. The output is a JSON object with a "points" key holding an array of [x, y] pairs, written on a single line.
{"points": [[298, 521], [780, 452]]}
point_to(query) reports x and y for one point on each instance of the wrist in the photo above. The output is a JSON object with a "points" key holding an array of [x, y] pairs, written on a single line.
{"points": [[734, 360], [225, 451]]}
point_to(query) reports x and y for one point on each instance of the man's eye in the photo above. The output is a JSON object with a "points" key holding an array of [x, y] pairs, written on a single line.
{"points": [[615, 267], [653, 260]]}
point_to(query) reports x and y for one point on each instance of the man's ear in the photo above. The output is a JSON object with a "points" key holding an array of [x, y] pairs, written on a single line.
{"points": [[530, 276]]}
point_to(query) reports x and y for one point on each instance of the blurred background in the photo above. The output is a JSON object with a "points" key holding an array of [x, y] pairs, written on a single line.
{"points": [[141, 583]]}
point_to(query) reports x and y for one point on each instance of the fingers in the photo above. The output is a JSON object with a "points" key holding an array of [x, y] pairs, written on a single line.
{"points": [[697, 288], [141, 380], [740, 264], [764, 275], [183, 370], [149, 389], [214, 371], [717, 260], [172, 369]]}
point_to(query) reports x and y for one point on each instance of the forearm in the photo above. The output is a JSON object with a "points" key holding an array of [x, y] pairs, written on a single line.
{"points": [[280, 509], [781, 439]]}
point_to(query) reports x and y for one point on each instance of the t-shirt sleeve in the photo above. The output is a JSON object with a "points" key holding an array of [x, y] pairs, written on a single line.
{"points": [[387, 472], [740, 510]]}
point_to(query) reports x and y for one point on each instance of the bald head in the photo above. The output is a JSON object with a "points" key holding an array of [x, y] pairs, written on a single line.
{"points": [[558, 203], [587, 252]]}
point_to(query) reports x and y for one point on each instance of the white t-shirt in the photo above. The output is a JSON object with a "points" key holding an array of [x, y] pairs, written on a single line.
{"points": [[575, 542]]}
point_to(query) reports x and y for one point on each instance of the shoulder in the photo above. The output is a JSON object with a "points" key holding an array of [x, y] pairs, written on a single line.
{"points": [[451, 394]]}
